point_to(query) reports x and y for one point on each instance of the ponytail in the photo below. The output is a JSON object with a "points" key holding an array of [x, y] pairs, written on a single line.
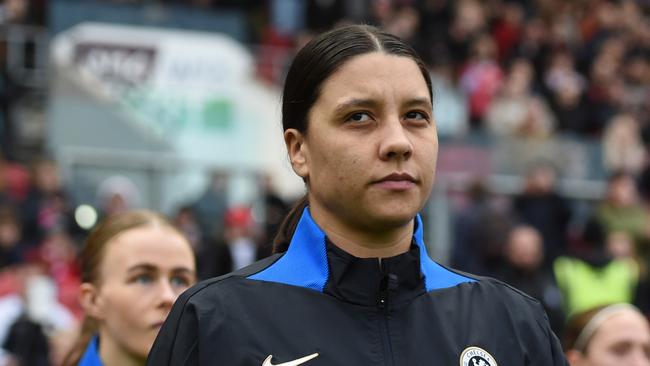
{"points": [[88, 330], [288, 227]]}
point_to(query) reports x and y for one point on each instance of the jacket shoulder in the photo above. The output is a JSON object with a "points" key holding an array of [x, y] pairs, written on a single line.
{"points": [[494, 287], [217, 282], [177, 341]]}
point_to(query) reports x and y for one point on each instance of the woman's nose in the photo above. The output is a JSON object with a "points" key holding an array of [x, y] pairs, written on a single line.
{"points": [[395, 142], [167, 295]]}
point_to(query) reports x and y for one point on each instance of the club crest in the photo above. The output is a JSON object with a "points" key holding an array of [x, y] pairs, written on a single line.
{"points": [[476, 356]]}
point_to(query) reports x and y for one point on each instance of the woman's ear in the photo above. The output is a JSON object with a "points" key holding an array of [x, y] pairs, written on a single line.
{"points": [[575, 357], [90, 300], [298, 152]]}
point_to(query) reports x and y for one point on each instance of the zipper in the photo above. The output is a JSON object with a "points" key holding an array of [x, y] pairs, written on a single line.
{"points": [[388, 283]]}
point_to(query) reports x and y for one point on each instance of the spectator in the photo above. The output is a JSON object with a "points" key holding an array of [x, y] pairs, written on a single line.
{"points": [[515, 111], [636, 76], [481, 78], [11, 244], [29, 316], [59, 252], [449, 105], [480, 231], [605, 92], [523, 268], [595, 277], [239, 248], [508, 29], [623, 149], [275, 209], [117, 194], [469, 22], [47, 206], [534, 44], [565, 87], [187, 222], [212, 204], [621, 211], [540, 206]]}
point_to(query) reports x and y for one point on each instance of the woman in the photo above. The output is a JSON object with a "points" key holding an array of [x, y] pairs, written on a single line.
{"points": [[353, 284], [612, 335], [134, 266]]}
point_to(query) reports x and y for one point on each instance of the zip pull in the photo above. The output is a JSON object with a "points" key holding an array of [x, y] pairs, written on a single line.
{"points": [[383, 287], [389, 282]]}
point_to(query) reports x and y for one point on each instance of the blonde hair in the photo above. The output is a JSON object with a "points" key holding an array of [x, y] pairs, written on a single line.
{"points": [[91, 257]]}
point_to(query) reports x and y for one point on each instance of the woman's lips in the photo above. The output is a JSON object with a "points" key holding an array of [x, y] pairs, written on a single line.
{"points": [[396, 181], [396, 185]]}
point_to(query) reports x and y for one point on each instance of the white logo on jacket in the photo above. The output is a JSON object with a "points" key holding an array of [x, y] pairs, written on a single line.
{"points": [[300, 361], [476, 356]]}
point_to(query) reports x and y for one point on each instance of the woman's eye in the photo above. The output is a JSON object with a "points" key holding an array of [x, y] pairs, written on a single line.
{"points": [[417, 116], [143, 279], [180, 281], [359, 117], [621, 349]]}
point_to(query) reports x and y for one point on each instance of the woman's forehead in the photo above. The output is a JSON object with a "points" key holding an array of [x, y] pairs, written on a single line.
{"points": [[158, 245], [628, 322], [373, 75]]}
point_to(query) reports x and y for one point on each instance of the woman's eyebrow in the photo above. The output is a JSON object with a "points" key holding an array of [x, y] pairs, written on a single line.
{"points": [[142, 266], [355, 102], [418, 102], [371, 103], [183, 270], [146, 267]]}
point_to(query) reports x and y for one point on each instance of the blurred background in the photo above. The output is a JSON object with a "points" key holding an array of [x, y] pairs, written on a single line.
{"points": [[542, 109]]}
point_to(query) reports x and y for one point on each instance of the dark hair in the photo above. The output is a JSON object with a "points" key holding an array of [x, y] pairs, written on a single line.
{"points": [[323, 55], [92, 255], [312, 66]]}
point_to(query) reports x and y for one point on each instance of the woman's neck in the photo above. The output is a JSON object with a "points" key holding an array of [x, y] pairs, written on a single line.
{"points": [[364, 243], [112, 354]]}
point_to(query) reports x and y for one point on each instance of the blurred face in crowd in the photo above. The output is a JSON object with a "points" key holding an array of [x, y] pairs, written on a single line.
{"points": [[370, 151], [524, 249], [622, 340], [142, 273], [46, 177], [620, 244], [622, 192], [541, 179], [9, 232]]}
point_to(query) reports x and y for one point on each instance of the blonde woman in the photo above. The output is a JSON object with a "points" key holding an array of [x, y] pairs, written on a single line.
{"points": [[611, 335], [134, 266]]}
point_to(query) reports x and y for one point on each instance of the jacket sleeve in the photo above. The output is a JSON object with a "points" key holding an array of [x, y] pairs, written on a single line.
{"points": [[548, 351], [177, 341]]}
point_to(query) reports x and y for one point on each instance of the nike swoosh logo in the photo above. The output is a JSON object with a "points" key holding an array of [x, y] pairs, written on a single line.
{"points": [[297, 362]]}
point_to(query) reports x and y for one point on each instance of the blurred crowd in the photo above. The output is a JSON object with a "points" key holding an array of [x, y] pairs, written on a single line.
{"points": [[524, 68], [533, 69], [42, 230], [536, 242]]}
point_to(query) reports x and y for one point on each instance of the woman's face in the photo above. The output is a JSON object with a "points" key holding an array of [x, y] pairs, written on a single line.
{"points": [[623, 340], [141, 275], [369, 155]]}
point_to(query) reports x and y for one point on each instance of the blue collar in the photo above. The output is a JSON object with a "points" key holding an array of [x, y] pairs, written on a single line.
{"points": [[305, 263], [91, 356]]}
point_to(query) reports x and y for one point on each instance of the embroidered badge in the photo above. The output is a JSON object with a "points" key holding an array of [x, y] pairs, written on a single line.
{"points": [[476, 356]]}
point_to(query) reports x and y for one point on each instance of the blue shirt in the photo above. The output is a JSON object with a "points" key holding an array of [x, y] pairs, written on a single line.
{"points": [[91, 356]]}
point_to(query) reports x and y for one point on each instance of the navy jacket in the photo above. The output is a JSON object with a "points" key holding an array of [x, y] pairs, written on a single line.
{"points": [[316, 305]]}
